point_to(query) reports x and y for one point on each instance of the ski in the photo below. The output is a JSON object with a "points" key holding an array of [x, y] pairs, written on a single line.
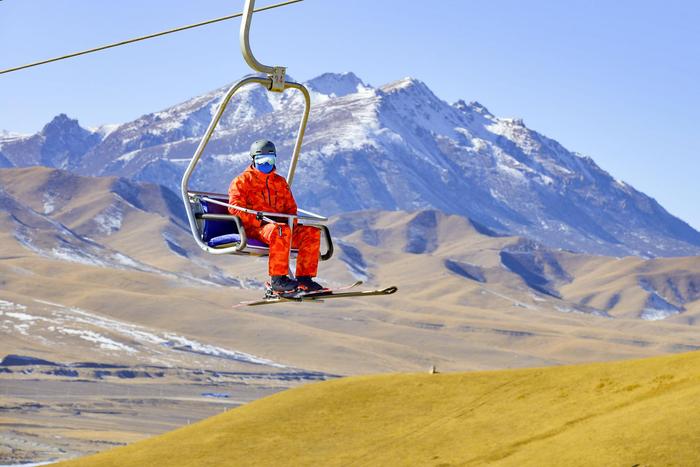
{"points": [[320, 296], [272, 297], [269, 293]]}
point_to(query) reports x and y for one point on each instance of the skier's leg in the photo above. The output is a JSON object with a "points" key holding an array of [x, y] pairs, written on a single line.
{"points": [[307, 240], [278, 238]]}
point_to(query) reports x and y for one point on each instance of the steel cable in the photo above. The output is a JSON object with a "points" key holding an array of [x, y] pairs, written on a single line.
{"points": [[143, 38]]}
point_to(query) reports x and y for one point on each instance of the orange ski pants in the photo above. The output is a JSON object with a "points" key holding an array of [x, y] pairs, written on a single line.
{"points": [[305, 239]]}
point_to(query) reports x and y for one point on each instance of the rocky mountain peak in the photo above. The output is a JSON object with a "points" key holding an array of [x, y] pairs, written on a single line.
{"points": [[473, 108], [336, 84], [65, 141], [59, 122], [407, 85]]}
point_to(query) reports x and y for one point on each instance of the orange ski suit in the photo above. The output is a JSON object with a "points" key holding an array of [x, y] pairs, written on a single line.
{"points": [[269, 192]]}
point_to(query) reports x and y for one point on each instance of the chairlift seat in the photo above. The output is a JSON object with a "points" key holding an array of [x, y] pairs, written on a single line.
{"points": [[220, 233]]}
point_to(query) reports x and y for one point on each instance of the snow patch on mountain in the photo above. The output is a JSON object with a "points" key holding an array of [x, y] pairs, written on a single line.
{"points": [[657, 307], [110, 220], [354, 261], [11, 135], [97, 338], [105, 130], [336, 84], [49, 203], [67, 246], [184, 344], [110, 335], [128, 156], [6, 306]]}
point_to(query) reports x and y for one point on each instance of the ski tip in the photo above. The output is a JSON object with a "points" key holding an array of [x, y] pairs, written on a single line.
{"points": [[390, 290]]}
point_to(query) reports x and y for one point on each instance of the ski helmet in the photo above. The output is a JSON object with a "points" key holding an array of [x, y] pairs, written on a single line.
{"points": [[262, 146]]}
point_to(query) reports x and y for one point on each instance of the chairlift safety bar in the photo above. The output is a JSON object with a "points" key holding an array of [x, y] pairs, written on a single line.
{"points": [[309, 215]]}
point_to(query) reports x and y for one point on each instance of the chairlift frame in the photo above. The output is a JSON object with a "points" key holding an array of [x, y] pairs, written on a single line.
{"points": [[274, 82]]}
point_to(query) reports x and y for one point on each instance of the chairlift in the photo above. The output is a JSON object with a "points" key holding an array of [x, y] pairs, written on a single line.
{"points": [[218, 232], [213, 228]]}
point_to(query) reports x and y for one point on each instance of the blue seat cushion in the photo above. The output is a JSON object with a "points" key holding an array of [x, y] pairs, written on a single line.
{"points": [[215, 228], [229, 239], [233, 238]]}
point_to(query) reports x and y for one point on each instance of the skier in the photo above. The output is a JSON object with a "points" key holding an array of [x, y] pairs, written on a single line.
{"points": [[260, 188]]}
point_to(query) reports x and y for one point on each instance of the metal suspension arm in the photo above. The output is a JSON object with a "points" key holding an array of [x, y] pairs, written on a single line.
{"points": [[276, 73]]}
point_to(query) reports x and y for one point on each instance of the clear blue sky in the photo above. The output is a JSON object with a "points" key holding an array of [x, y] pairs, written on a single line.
{"points": [[614, 80]]}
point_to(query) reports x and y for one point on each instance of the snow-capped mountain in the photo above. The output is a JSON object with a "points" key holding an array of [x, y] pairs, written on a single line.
{"points": [[394, 147], [336, 84]]}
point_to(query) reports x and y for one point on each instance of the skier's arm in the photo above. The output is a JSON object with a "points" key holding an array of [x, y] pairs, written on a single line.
{"points": [[236, 196]]}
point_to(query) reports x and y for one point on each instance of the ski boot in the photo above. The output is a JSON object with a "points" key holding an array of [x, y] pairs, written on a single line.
{"points": [[282, 285], [307, 284]]}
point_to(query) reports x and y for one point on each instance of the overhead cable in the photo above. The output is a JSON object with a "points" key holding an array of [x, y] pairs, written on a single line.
{"points": [[143, 38]]}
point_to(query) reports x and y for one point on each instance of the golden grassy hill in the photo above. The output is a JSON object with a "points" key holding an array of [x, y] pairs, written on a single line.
{"points": [[642, 412]]}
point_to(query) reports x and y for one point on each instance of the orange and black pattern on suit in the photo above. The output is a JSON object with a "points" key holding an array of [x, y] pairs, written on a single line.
{"points": [[269, 192]]}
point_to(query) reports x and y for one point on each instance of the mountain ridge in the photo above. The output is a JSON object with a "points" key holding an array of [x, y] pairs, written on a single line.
{"points": [[118, 224], [396, 146]]}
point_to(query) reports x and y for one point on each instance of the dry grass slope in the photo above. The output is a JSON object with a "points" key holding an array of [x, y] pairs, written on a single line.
{"points": [[641, 412]]}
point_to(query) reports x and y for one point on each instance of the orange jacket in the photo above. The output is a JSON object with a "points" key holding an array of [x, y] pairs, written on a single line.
{"points": [[262, 192]]}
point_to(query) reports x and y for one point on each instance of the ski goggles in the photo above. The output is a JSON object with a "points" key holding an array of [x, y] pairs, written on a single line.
{"points": [[265, 159]]}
